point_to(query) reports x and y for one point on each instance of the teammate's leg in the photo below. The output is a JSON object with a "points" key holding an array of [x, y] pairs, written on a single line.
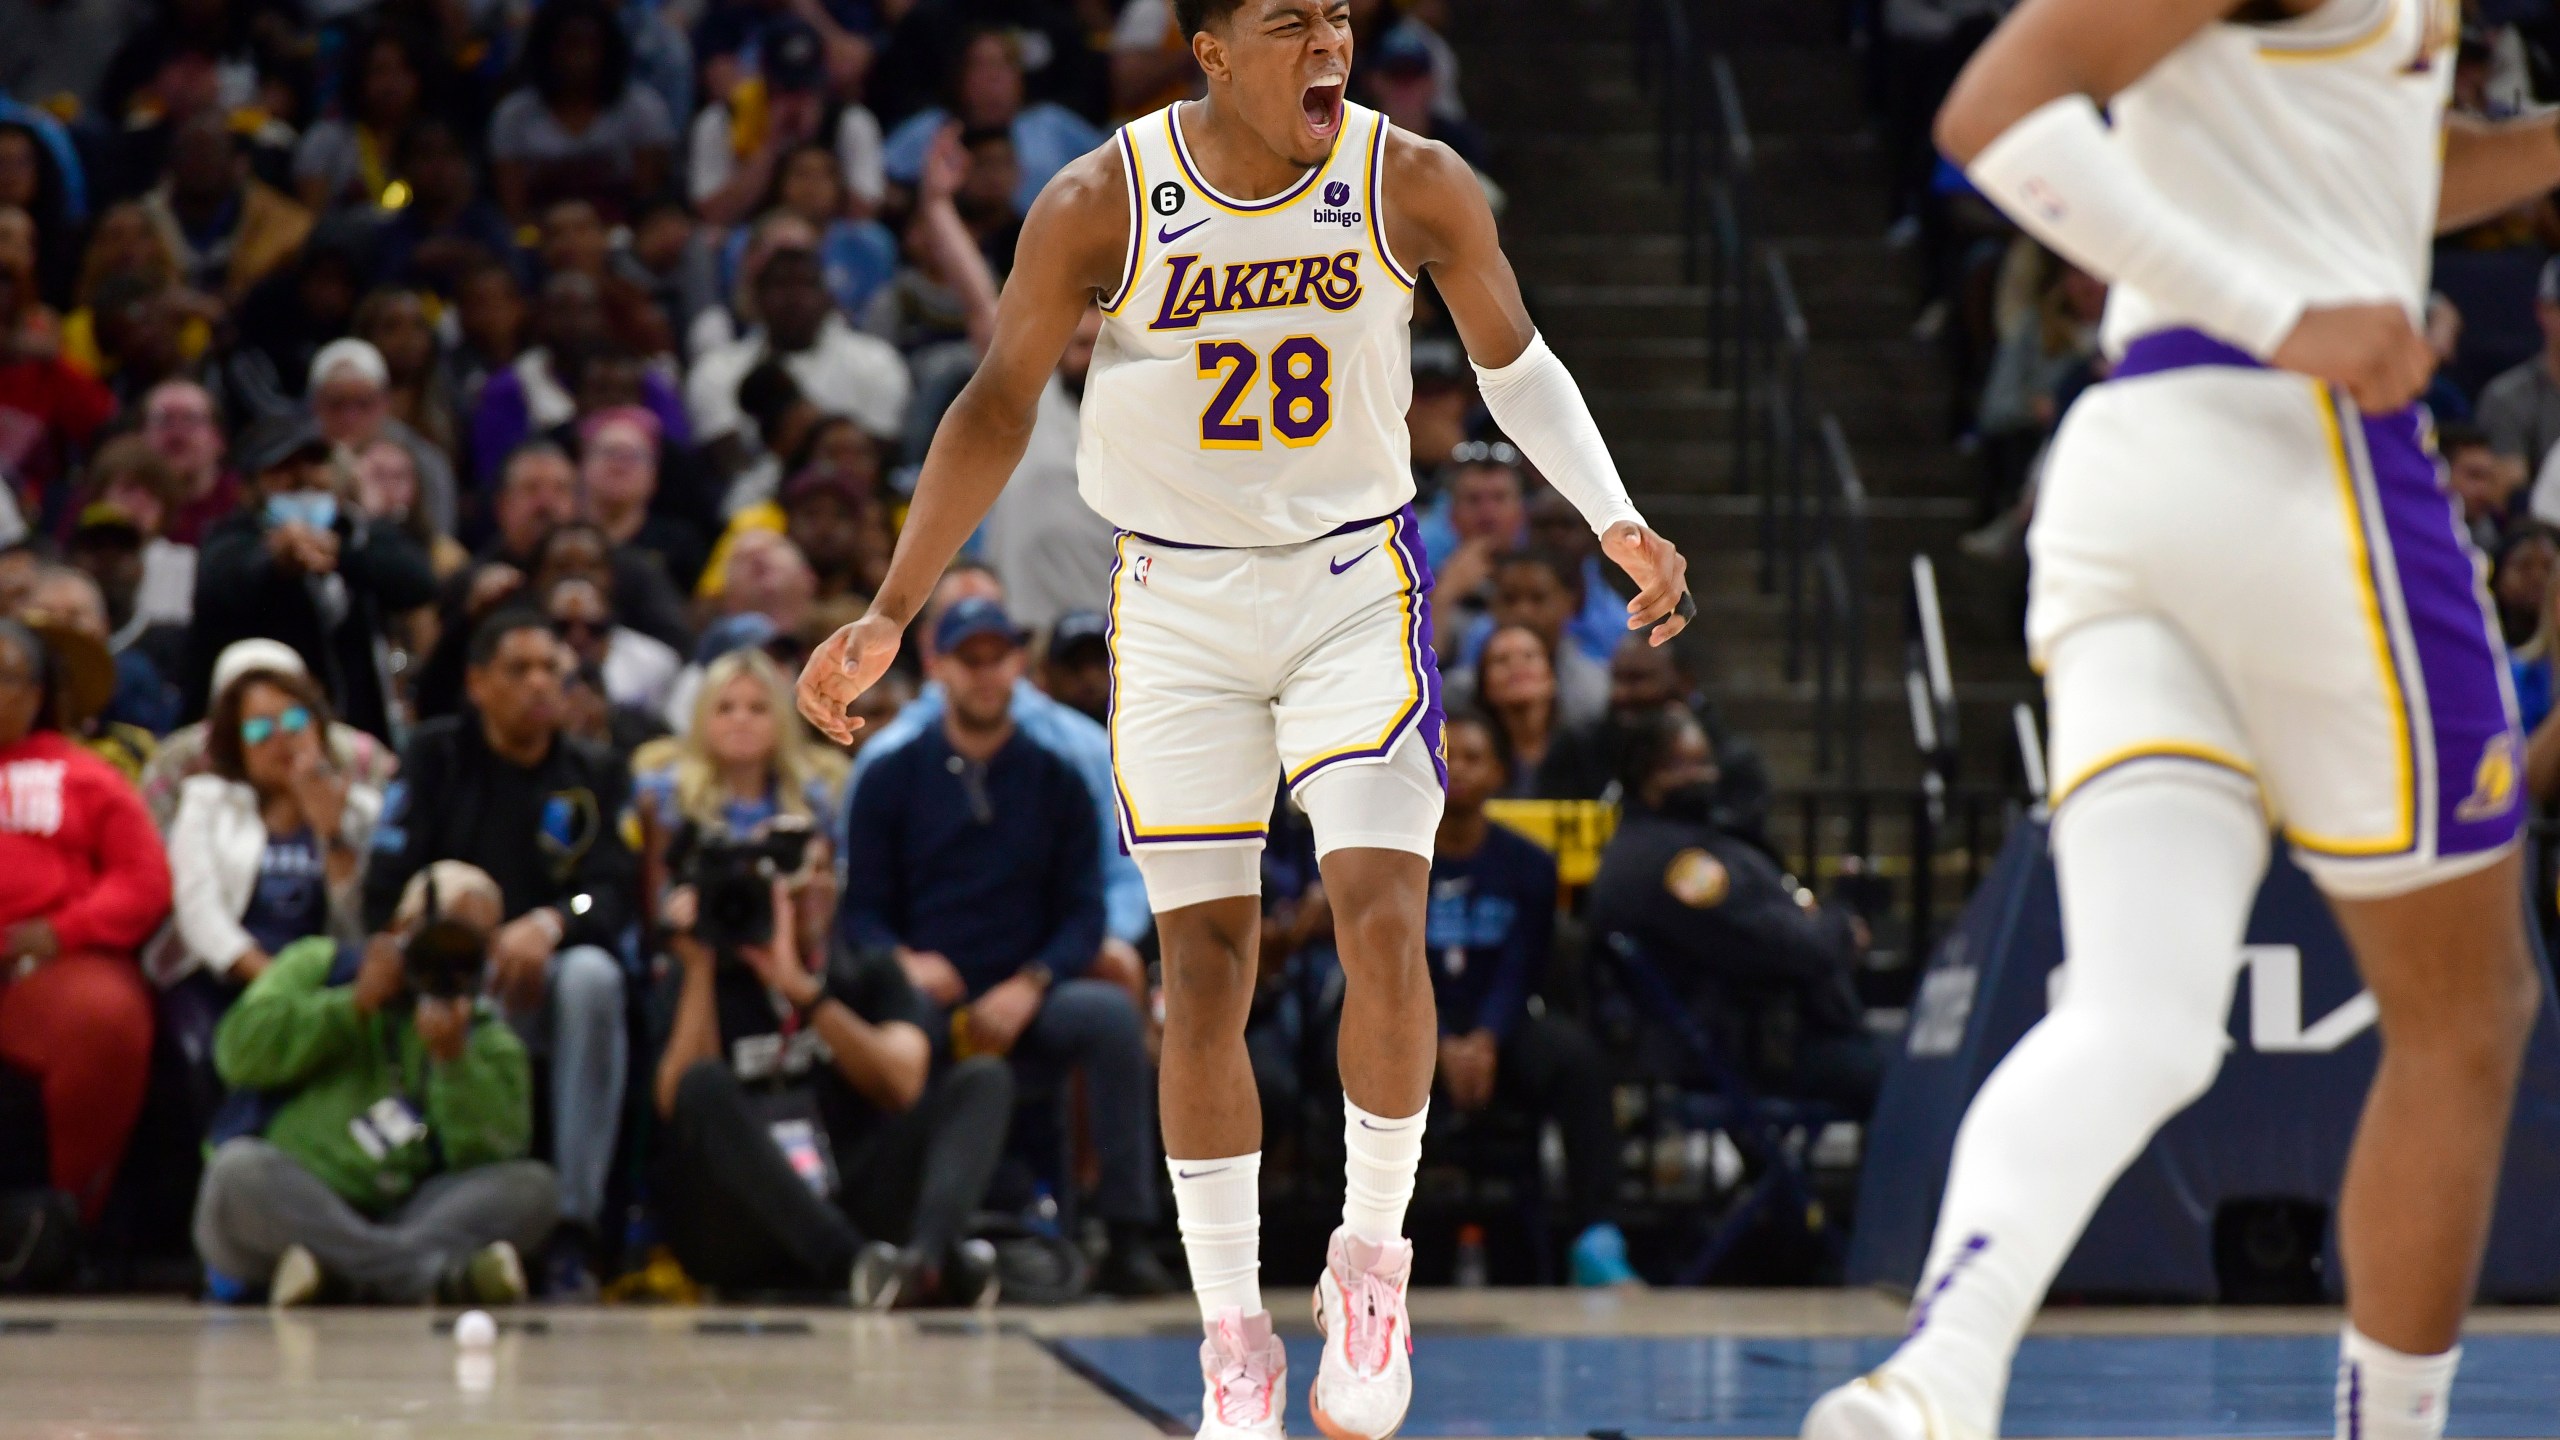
{"points": [[2137, 1033], [2458, 992]]}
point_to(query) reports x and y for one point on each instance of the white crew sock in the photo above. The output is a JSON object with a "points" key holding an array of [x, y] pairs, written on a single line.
{"points": [[2385, 1395], [1218, 1204], [2138, 1033], [1379, 1158]]}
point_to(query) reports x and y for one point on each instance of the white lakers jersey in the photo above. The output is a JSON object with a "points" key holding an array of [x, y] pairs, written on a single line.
{"points": [[1250, 383], [2313, 147]]}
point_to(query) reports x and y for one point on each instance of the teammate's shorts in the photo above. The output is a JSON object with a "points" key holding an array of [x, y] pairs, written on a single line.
{"points": [[2266, 582], [1233, 667]]}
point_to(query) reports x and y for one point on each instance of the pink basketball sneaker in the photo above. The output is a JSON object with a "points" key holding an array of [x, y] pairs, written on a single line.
{"points": [[1366, 1380], [1245, 1373]]}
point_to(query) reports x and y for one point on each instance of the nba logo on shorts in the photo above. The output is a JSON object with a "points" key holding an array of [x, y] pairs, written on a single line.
{"points": [[1138, 572]]}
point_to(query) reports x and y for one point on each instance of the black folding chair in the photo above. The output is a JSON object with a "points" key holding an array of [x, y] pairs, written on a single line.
{"points": [[1711, 1091]]}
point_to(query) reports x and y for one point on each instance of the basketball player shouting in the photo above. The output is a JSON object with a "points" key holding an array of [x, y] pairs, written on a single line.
{"points": [[1254, 254], [2253, 603]]}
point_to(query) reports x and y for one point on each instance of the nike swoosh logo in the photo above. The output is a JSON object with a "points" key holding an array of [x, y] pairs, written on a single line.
{"points": [[1338, 566], [1197, 1174], [1167, 237]]}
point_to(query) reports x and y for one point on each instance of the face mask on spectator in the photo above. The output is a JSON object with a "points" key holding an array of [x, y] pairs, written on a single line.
{"points": [[1695, 800], [316, 511]]}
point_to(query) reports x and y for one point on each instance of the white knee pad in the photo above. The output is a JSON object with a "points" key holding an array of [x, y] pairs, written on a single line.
{"points": [[1182, 875], [1392, 804]]}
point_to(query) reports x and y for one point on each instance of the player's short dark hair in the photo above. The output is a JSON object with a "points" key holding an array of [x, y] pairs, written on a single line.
{"points": [[1195, 16], [493, 632]]}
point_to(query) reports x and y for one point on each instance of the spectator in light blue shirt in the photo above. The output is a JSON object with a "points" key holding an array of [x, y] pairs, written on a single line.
{"points": [[1065, 732], [987, 95], [1597, 628]]}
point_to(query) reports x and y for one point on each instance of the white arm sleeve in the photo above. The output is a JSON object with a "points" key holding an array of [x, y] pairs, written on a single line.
{"points": [[2061, 175], [1537, 404]]}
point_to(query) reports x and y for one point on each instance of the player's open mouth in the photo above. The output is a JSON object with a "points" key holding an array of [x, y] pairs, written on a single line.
{"points": [[1323, 104]]}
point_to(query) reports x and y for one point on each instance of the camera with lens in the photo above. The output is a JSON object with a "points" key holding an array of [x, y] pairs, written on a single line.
{"points": [[732, 878], [445, 960]]}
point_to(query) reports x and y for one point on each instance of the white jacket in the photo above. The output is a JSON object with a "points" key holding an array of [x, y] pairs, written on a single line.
{"points": [[216, 843]]}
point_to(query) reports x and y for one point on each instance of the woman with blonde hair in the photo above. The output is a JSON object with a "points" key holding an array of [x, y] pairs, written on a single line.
{"points": [[125, 242], [743, 762]]}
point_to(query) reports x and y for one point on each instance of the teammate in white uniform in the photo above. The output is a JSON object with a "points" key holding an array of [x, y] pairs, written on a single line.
{"points": [[1254, 254], [2255, 610]]}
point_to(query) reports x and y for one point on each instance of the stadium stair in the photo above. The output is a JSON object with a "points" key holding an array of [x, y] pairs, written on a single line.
{"points": [[1595, 236]]}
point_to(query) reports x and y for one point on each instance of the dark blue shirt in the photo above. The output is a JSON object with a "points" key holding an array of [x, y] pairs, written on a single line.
{"points": [[291, 901], [1491, 923], [995, 866]]}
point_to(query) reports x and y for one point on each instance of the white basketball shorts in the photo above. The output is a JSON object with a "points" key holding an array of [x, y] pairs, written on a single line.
{"points": [[2234, 568], [1233, 668]]}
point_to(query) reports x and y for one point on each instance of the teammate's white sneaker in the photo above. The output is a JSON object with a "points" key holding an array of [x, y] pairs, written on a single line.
{"points": [[1879, 1406], [1245, 1373], [1366, 1380]]}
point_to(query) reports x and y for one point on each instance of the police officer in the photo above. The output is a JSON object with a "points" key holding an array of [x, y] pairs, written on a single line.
{"points": [[1767, 968]]}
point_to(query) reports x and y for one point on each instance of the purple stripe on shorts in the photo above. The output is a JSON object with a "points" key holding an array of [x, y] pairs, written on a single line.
{"points": [[1405, 534], [2479, 755]]}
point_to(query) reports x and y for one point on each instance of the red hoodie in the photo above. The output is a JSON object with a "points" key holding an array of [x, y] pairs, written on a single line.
{"points": [[77, 848]]}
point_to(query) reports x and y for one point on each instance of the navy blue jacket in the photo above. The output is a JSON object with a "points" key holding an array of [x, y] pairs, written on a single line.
{"points": [[1491, 924], [995, 866]]}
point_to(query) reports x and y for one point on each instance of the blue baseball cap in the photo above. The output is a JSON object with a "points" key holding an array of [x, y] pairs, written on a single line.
{"points": [[970, 619], [1077, 630], [750, 630]]}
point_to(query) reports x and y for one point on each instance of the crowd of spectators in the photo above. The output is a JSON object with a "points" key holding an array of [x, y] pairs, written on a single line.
{"points": [[431, 437]]}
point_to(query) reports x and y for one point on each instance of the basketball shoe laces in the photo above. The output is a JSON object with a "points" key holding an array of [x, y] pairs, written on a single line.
{"points": [[1244, 1376], [1374, 1309]]}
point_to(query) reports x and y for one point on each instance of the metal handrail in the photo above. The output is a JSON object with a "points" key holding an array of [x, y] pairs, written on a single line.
{"points": [[2022, 719], [1780, 459], [1842, 546], [1928, 656]]}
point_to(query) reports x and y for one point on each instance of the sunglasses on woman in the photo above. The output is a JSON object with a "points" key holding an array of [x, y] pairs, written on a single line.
{"points": [[259, 729]]}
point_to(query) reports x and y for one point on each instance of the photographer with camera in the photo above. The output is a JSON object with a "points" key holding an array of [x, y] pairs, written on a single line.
{"points": [[501, 787], [802, 1113], [385, 1117]]}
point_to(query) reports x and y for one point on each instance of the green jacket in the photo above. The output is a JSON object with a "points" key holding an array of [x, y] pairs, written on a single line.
{"points": [[355, 1088]]}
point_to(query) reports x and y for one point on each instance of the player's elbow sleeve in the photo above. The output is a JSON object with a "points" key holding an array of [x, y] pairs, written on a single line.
{"points": [[1536, 402]]}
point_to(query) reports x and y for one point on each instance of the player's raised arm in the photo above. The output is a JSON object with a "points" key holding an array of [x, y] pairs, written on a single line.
{"points": [[2023, 121], [2492, 166], [1437, 217], [1072, 246]]}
